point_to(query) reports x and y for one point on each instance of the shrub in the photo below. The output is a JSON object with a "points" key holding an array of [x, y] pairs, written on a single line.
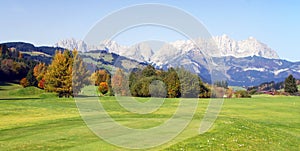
{"points": [[229, 92], [242, 94], [103, 87], [24, 82], [41, 84]]}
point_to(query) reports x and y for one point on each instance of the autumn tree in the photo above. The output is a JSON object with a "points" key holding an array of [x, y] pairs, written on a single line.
{"points": [[172, 82], [103, 87], [58, 77], [119, 83], [24, 82], [100, 76], [80, 74], [41, 84], [12, 70], [230, 92], [39, 72]]}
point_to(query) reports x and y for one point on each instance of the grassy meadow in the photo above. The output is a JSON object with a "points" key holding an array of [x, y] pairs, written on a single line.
{"points": [[34, 120]]}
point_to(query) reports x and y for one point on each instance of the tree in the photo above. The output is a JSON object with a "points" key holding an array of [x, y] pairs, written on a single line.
{"points": [[242, 94], [290, 85], [149, 71], [134, 76], [31, 79], [100, 76], [205, 91], [230, 92], [39, 71], [172, 82], [189, 83], [58, 77], [12, 70], [24, 83], [41, 84], [157, 89], [103, 87], [80, 74], [119, 83], [223, 84], [141, 87]]}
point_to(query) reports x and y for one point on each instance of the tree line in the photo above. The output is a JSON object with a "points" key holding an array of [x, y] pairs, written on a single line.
{"points": [[66, 74], [146, 82], [12, 64]]}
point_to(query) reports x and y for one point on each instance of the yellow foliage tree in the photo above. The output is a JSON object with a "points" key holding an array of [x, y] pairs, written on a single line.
{"points": [[58, 77]]}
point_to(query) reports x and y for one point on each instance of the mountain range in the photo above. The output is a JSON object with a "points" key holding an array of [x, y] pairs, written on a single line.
{"points": [[219, 47], [242, 63]]}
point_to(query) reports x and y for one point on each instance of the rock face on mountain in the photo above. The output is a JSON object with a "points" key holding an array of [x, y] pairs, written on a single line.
{"points": [[72, 44], [243, 48]]}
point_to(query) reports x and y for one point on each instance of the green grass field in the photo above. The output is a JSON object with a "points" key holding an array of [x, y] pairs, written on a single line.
{"points": [[32, 120]]}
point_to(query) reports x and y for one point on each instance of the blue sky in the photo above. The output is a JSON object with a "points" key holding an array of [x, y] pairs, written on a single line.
{"points": [[276, 23]]}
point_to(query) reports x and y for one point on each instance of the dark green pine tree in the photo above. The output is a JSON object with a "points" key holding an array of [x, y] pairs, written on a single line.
{"points": [[31, 79], [290, 85]]}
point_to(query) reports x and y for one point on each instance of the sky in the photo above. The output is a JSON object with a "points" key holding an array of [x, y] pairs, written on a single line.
{"points": [[275, 23]]}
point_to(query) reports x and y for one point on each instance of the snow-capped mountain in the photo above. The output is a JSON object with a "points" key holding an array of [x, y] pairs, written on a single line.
{"points": [[141, 52], [72, 44], [219, 46], [243, 48], [243, 63]]}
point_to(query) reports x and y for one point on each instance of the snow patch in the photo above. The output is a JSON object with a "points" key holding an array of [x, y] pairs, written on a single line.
{"points": [[276, 72], [255, 69], [278, 62]]}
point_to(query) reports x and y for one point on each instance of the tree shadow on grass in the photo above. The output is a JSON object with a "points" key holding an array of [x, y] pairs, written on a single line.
{"points": [[19, 98], [2, 83]]}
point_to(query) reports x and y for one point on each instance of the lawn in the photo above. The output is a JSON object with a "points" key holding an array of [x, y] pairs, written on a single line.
{"points": [[32, 120]]}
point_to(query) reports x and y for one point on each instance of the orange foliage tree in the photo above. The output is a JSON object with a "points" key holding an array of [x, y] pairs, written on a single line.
{"points": [[103, 87], [100, 76], [39, 72]]}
